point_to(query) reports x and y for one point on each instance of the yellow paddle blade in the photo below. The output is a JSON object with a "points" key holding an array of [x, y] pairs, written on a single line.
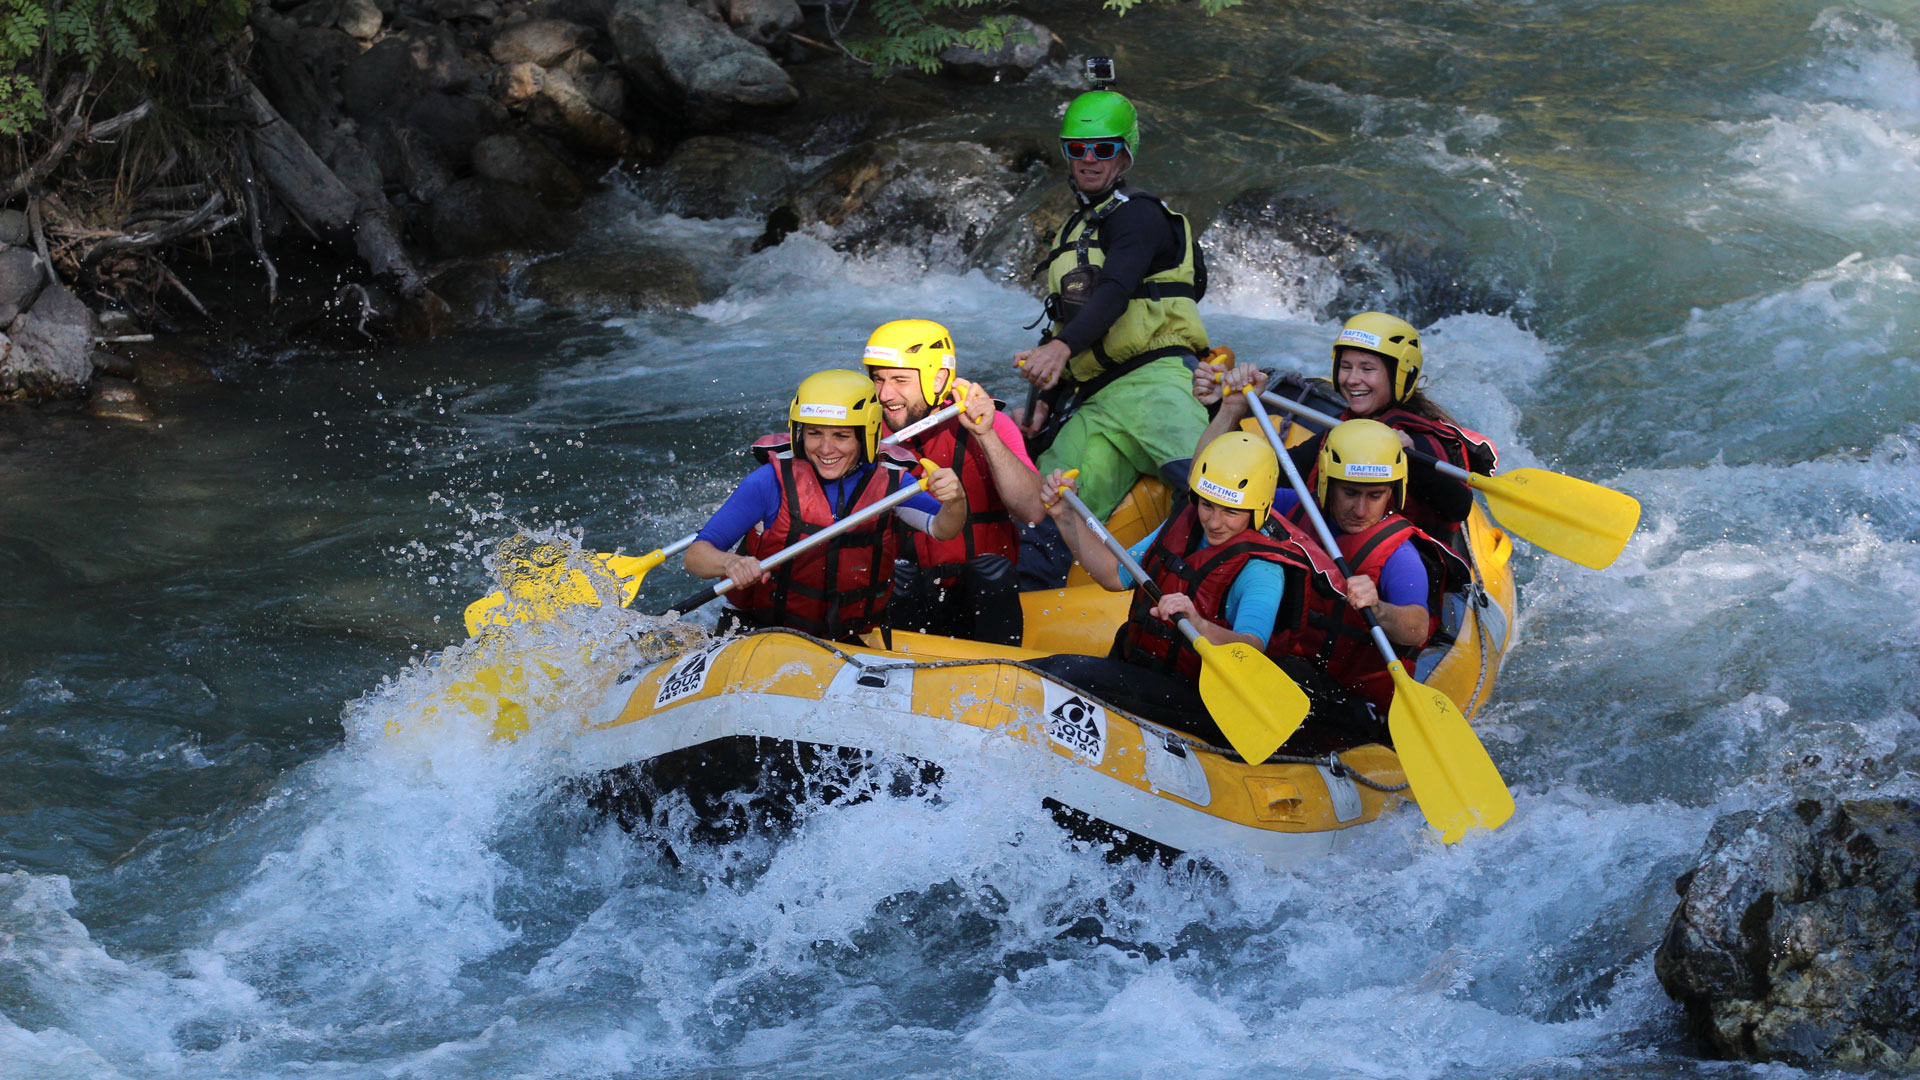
{"points": [[1453, 779], [1256, 705], [541, 584], [1572, 518]]}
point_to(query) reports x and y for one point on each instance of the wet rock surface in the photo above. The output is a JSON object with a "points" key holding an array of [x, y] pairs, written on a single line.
{"points": [[1027, 46], [714, 176], [1269, 235], [622, 280], [693, 65], [49, 352], [1797, 938]]}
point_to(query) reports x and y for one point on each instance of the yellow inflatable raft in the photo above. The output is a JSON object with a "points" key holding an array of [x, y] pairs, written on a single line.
{"points": [[738, 702]]}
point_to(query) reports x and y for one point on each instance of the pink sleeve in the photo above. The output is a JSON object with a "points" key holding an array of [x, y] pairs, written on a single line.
{"points": [[1009, 433]]}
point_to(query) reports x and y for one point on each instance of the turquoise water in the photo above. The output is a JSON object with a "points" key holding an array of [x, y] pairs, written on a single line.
{"points": [[1672, 249]]}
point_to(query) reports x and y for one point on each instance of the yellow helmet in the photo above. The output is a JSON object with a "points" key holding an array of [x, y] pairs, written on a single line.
{"points": [[836, 398], [1383, 335], [1363, 452], [920, 344], [1239, 472]]}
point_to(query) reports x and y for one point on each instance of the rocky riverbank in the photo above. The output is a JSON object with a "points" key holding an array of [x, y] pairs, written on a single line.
{"points": [[1797, 938]]}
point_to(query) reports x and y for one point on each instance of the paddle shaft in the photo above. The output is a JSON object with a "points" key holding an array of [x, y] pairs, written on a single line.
{"points": [[1320, 529], [794, 551], [1126, 557], [931, 420], [1318, 417]]}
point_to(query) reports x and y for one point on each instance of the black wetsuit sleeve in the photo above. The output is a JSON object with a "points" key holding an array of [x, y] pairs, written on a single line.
{"points": [[1306, 455], [1447, 498], [1138, 240]]}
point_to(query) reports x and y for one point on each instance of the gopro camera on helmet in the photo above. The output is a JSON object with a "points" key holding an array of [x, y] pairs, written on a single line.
{"points": [[1100, 71]]}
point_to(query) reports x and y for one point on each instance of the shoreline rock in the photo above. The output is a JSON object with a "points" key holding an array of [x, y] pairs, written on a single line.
{"points": [[1797, 938]]}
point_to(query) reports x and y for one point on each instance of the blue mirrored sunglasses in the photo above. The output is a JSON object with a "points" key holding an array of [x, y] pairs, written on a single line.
{"points": [[1098, 149]]}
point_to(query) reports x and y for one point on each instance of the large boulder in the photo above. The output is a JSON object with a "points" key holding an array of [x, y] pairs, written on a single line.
{"points": [[409, 161], [52, 347], [714, 176], [22, 275], [942, 197], [519, 158], [766, 23], [1028, 45], [479, 216], [400, 69], [539, 41], [1264, 238], [693, 67], [1797, 938], [618, 281], [555, 103]]}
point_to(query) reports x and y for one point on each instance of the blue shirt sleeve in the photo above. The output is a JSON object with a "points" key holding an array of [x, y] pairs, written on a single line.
{"points": [[1253, 600], [1404, 579], [1285, 499], [755, 502], [1138, 551], [922, 502]]}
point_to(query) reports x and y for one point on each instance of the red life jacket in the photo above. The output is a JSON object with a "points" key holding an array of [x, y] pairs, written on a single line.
{"points": [[840, 589], [1460, 447], [1336, 636], [989, 529], [1176, 562]]}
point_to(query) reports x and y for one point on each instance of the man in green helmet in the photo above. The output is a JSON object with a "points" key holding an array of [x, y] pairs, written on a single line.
{"points": [[1124, 278]]}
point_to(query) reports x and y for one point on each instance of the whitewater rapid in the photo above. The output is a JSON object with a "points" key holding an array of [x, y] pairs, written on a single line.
{"points": [[216, 861]]}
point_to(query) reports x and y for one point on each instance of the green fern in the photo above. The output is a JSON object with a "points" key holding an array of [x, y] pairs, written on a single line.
{"points": [[52, 37]]}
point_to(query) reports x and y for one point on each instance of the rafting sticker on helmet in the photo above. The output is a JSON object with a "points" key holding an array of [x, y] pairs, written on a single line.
{"points": [[1074, 722]]}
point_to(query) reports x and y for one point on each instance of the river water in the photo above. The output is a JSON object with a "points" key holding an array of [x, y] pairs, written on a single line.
{"points": [[1682, 246]]}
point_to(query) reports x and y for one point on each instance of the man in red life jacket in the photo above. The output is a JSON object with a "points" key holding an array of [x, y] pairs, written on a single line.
{"points": [[829, 466], [1376, 369], [963, 587], [1215, 565], [1397, 570]]}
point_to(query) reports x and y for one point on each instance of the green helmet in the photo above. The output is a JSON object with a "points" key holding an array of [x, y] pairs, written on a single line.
{"points": [[1102, 114]]}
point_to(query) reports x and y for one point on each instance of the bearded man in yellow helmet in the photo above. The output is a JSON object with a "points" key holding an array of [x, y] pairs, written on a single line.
{"points": [[1214, 564], [1124, 279], [964, 586], [828, 465]]}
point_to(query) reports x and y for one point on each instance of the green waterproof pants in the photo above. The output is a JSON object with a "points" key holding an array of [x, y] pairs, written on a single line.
{"points": [[1132, 426]]}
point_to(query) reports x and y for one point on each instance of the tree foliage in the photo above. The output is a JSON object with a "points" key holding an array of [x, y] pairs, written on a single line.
{"points": [[913, 33], [42, 39]]}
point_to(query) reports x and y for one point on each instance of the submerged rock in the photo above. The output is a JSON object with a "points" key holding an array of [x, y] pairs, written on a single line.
{"points": [[1797, 938], [118, 399], [629, 279], [1264, 237], [941, 196], [713, 176]]}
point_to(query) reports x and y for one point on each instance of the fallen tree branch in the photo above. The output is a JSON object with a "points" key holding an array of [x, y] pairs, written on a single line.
{"points": [[156, 237], [71, 130], [250, 189]]}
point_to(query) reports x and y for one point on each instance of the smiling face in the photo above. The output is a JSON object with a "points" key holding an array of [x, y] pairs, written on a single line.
{"points": [[1362, 378], [834, 451], [1357, 507], [1221, 523], [902, 401], [1092, 176]]}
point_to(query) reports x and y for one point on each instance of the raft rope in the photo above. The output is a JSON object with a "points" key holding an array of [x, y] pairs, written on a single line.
{"points": [[1330, 762]]}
